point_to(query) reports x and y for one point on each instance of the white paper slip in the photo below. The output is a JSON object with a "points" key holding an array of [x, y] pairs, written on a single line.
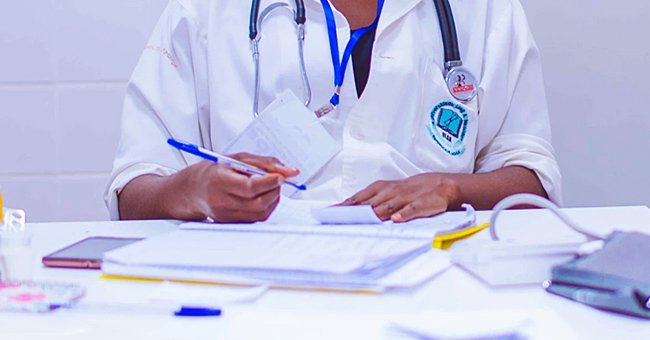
{"points": [[420, 324], [290, 132], [295, 212], [358, 214], [487, 324], [181, 294], [418, 271]]}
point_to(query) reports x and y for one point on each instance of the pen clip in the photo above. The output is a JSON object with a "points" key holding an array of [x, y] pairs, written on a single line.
{"points": [[191, 149], [182, 145]]}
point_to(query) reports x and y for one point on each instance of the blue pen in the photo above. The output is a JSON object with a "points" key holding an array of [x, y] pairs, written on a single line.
{"points": [[197, 311], [217, 158]]}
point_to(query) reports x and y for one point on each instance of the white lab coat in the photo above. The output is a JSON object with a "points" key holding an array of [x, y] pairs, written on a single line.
{"points": [[194, 82]]}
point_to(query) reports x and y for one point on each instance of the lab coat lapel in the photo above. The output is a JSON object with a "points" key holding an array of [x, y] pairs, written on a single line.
{"points": [[393, 11]]}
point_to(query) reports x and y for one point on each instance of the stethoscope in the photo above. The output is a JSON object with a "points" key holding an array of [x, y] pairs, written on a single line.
{"points": [[460, 81], [255, 28]]}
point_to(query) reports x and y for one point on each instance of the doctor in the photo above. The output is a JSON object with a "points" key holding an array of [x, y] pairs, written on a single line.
{"points": [[411, 145]]}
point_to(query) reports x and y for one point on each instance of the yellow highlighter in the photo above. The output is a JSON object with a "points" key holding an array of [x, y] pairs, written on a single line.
{"points": [[445, 240], [2, 210]]}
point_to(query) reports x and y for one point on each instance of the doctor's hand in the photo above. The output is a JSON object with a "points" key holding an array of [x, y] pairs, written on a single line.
{"points": [[419, 196], [210, 190]]}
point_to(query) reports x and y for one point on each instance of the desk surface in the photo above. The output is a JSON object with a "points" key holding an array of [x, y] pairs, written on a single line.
{"points": [[452, 291]]}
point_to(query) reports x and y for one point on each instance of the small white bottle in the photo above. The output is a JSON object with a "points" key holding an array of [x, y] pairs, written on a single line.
{"points": [[17, 259]]}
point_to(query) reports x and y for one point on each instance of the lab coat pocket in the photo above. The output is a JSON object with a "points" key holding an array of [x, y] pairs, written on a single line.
{"points": [[446, 129]]}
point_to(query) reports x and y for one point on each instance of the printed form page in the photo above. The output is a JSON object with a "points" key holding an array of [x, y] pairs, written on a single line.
{"points": [[304, 216]]}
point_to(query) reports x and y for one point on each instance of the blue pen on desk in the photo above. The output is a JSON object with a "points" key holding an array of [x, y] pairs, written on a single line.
{"points": [[197, 312], [217, 158]]}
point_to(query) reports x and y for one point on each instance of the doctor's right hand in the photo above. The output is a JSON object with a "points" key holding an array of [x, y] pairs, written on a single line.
{"points": [[210, 190]]}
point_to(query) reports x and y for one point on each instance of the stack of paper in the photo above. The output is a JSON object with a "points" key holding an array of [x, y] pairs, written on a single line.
{"points": [[294, 250], [279, 259]]}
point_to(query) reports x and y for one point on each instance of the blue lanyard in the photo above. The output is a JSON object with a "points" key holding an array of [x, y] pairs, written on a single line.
{"points": [[340, 65]]}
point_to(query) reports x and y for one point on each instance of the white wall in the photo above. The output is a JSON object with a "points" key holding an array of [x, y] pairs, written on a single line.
{"points": [[63, 70], [64, 65], [597, 65]]}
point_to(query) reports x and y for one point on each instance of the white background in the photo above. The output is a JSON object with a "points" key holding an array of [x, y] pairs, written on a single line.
{"points": [[64, 66]]}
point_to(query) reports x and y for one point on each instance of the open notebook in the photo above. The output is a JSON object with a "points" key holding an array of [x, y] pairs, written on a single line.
{"points": [[293, 250]]}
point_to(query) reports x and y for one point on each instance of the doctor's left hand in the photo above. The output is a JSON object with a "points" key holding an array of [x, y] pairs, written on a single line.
{"points": [[423, 195]]}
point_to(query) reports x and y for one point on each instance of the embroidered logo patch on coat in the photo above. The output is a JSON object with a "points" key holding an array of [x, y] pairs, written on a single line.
{"points": [[448, 127]]}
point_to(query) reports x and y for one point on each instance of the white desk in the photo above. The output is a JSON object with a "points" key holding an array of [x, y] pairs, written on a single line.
{"points": [[454, 291]]}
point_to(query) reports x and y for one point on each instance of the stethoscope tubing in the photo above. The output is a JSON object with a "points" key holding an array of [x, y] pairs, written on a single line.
{"points": [[300, 17], [453, 61], [448, 30], [255, 26]]}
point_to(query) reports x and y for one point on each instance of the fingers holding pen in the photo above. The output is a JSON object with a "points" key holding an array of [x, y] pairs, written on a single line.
{"points": [[236, 197], [223, 189], [268, 164], [245, 186]]}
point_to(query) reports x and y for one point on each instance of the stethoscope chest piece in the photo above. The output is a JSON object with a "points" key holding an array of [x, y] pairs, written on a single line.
{"points": [[462, 84]]}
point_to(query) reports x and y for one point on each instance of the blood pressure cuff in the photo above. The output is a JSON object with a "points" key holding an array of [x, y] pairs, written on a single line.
{"points": [[616, 278]]}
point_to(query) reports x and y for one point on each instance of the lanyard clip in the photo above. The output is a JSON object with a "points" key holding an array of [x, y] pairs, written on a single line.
{"points": [[325, 110]]}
